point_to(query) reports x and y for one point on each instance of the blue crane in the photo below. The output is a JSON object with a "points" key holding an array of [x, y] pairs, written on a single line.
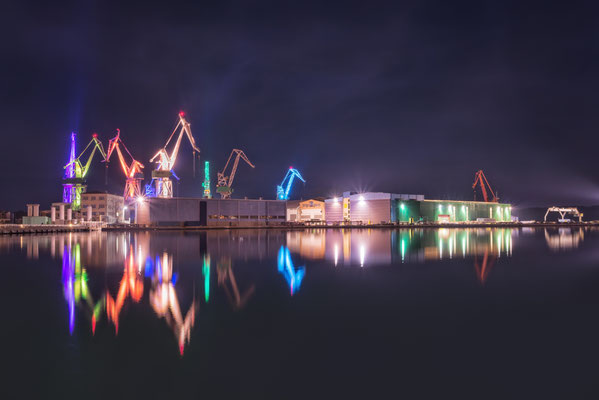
{"points": [[292, 173]]}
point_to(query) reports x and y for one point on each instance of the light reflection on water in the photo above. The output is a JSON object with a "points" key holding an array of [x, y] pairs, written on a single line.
{"points": [[152, 267]]}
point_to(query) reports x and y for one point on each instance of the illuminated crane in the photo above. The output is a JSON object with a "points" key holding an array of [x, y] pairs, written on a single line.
{"points": [[163, 172], [225, 182], [68, 189], [284, 188], [78, 172], [481, 180], [133, 173], [206, 184]]}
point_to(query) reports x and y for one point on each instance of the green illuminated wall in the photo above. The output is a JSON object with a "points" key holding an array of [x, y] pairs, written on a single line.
{"points": [[406, 209], [459, 211]]}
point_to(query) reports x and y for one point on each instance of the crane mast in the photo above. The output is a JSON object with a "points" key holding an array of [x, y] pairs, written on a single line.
{"points": [[164, 170], [225, 182], [68, 189], [481, 180], [133, 172], [78, 171], [284, 189], [206, 184]]}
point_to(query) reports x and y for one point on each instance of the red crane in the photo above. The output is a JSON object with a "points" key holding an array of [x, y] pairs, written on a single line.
{"points": [[133, 173], [481, 180]]}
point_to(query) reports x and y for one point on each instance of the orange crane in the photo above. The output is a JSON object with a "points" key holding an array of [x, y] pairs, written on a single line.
{"points": [[481, 180], [133, 173]]}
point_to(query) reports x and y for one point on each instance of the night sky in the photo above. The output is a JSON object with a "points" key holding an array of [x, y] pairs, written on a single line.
{"points": [[401, 96]]}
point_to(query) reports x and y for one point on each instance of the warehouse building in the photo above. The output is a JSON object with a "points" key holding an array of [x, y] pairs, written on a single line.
{"points": [[451, 211], [306, 211], [209, 212], [105, 207], [377, 208]]}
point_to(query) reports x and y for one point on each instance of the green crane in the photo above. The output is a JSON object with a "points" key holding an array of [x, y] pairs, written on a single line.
{"points": [[80, 171]]}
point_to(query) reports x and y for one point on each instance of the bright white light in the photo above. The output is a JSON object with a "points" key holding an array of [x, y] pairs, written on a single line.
{"points": [[402, 206], [125, 208], [361, 198], [336, 252], [336, 200], [362, 255], [140, 199]]}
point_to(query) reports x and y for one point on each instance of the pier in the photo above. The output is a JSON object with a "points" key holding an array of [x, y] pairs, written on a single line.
{"points": [[46, 228]]}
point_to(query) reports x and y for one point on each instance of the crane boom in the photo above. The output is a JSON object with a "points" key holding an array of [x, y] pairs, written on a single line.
{"points": [[481, 180], [164, 170], [225, 182]]}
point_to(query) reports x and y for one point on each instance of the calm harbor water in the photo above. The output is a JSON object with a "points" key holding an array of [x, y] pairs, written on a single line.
{"points": [[486, 313]]}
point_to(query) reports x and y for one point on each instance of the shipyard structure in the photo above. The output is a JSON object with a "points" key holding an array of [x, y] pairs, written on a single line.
{"points": [[350, 209], [153, 204], [376, 208]]}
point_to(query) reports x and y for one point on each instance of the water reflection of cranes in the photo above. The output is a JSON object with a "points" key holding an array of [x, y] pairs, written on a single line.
{"points": [[483, 268], [164, 301], [131, 285], [142, 269], [292, 275], [226, 280], [564, 238], [163, 295], [74, 280]]}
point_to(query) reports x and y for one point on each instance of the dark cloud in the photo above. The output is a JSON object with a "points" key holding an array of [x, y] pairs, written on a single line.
{"points": [[405, 97]]}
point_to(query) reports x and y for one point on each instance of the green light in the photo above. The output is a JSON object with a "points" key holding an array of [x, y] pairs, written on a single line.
{"points": [[206, 272], [402, 206], [206, 184]]}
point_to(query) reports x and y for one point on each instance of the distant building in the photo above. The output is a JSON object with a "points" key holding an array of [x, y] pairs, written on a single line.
{"points": [[378, 207], [6, 217], [106, 207], [312, 210]]}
